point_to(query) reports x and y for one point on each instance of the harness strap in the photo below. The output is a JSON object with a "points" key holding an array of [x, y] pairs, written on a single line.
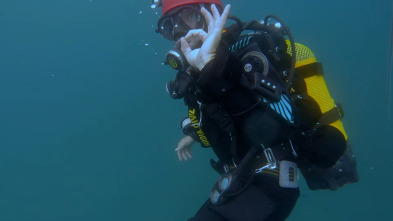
{"points": [[332, 115], [261, 159], [310, 70]]}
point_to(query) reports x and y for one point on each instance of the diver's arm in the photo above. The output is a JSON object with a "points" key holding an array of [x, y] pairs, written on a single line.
{"points": [[220, 75], [218, 71]]}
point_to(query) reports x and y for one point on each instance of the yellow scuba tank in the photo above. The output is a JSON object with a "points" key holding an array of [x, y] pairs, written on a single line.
{"points": [[344, 170], [307, 64]]}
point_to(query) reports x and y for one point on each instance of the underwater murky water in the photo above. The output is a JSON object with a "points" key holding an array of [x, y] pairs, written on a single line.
{"points": [[88, 132]]}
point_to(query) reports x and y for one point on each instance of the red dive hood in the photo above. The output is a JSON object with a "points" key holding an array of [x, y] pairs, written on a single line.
{"points": [[168, 5]]}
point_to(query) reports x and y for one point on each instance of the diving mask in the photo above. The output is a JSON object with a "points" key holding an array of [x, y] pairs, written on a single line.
{"points": [[178, 23]]}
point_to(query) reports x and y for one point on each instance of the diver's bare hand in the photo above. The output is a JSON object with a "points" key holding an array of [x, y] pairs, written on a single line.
{"points": [[199, 57], [184, 148]]}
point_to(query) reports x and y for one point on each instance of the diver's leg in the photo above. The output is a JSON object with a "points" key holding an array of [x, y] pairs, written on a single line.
{"points": [[284, 199], [285, 205], [250, 205], [205, 213]]}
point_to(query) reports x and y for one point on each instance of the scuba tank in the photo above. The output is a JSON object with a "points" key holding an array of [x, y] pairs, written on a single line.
{"points": [[343, 171]]}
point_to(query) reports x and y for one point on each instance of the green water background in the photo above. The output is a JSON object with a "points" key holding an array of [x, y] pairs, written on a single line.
{"points": [[87, 131]]}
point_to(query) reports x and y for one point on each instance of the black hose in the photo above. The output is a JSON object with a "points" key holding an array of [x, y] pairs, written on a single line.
{"points": [[292, 41], [240, 169], [237, 20]]}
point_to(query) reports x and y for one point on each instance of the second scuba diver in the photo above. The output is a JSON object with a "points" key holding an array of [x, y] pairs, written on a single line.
{"points": [[249, 104]]}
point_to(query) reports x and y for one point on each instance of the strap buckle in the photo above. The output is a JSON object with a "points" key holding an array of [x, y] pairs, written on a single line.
{"points": [[228, 168], [271, 161]]}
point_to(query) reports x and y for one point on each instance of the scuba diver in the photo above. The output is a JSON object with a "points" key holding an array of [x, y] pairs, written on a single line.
{"points": [[248, 88]]}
